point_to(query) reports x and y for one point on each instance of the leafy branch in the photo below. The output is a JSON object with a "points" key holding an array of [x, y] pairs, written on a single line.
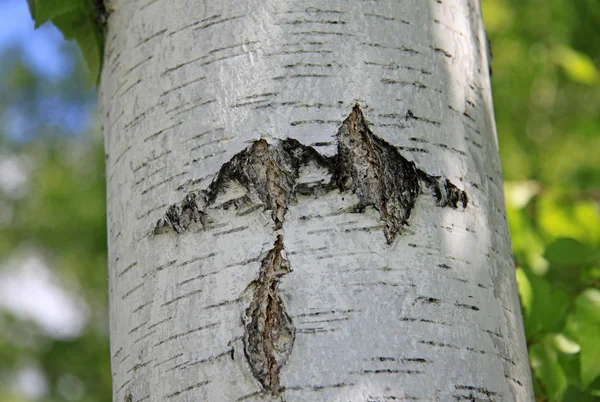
{"points": [[80, 20]]}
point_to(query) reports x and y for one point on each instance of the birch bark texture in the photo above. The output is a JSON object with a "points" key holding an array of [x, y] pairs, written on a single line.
{"points": [[305, 204]]}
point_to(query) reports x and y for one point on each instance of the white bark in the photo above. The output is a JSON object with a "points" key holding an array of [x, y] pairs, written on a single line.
{"points": [[429, 313]]}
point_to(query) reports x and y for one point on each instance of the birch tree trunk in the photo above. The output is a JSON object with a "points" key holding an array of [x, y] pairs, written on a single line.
{"points": [[305, 204]]}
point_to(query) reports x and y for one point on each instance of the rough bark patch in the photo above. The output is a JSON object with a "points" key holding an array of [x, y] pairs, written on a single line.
{"points": [[376, 172], [180, 216], [269, 334], [269, 170], [380, 176], [364, 164]]}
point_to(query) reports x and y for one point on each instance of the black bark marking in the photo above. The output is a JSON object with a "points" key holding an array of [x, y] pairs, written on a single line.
{"points": [[272, 172], [427, 300], [479, 390], [490, 55], [467, 306], [380, 176], [365, 164]]}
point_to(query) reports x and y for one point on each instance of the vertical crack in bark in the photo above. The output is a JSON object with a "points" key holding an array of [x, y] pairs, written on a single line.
{"points": [[365, 164], [269, 335], [272, 172]]}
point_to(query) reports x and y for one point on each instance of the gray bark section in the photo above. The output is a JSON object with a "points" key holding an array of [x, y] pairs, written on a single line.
{"points": [[187, 86]]}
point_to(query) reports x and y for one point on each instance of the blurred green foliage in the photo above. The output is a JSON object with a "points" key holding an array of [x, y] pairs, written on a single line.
{"points": [[546, 86], [58, 215]]}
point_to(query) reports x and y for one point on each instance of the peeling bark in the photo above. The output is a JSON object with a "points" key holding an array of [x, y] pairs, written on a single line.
{"points": [[380, 176], [365, 165], [270, 171], [269, 333]]}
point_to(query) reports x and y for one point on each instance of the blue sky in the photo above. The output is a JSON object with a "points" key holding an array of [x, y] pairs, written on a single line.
{"points": [[44, 52], [41, 48]]}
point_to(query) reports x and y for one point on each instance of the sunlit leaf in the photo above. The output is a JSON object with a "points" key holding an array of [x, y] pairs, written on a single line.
{"points": [[496, 14], [519, 193], [566, 345], [579, 220], [576, 65]]}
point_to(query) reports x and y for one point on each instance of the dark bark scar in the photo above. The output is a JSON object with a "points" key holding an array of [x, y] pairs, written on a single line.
{"points": [[365, 165]]}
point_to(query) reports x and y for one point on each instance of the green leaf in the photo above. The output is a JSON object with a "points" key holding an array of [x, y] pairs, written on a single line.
{"points": [[546, 367], [76, 19], [578, 219], [570, 264], [572, 394], [84, 29], [545, 308], [584, 325], [567, 251], [45, 10], [496, 15], [570, 364], [594, 387]]}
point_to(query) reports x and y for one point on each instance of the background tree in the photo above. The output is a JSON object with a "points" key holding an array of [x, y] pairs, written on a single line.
{"points": [[546, 101]]}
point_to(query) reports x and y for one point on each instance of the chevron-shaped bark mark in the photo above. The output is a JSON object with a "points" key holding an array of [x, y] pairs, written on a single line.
{"points": [[365, 165]]}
